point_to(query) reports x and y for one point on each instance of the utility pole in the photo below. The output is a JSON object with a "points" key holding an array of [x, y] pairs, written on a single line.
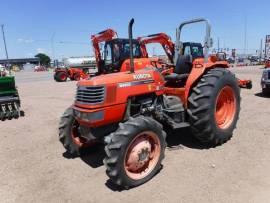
{"points": [[4, 39], [218, 44], [261, 50], [245, 36], [52, 46]]}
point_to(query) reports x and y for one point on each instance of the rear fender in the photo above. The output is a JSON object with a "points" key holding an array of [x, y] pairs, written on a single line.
{"points": [[198, 70]]}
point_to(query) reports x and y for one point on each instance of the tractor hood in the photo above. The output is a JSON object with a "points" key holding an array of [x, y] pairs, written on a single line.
{"points": [[121, 77], [116, 88]]}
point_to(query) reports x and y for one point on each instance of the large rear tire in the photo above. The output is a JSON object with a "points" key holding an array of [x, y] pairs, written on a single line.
{"points": [[135, 151], [214, 105]]}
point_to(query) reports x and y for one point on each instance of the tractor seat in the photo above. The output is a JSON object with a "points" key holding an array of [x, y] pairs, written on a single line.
{"points": [[182, 68], [175, 76]]}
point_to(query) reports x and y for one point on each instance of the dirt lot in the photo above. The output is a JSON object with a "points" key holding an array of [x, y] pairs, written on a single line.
{"points": [[33, 168]]}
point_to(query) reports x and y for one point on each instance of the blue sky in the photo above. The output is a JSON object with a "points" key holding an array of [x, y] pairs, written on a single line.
{"points": [[30, 25]]}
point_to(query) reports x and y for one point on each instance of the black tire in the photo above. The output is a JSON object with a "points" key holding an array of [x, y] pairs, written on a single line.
{"points": [[265, 92], [202, 106], [117, 146], [58, 76], [65, 128], [249, 85]]}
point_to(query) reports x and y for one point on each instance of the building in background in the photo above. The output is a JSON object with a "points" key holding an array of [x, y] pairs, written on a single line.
{"points": [[21, 63]]}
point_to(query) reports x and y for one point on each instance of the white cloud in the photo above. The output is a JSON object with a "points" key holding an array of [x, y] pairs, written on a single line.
{"points": [[27, 41], [41, 50]]}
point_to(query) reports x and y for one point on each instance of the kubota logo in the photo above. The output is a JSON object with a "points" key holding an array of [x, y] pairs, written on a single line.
{"points": [[141, 76]]}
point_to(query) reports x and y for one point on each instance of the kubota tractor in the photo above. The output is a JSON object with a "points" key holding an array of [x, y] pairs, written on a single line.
{"points": [[62, 74], [127, 110], [9, 98]]}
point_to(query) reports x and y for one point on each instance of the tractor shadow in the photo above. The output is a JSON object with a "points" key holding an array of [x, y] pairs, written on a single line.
{"points": [[260, 94], [178, 139], [94, 156]]}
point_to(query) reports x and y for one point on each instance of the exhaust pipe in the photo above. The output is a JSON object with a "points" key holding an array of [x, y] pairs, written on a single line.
{"points": [[131, 45]]}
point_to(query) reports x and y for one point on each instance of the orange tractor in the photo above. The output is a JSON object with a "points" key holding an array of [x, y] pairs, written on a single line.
{"points": [[62, 74], [127, 110]]}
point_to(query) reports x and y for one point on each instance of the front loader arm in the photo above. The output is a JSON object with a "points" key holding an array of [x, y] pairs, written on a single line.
{"points": [[102, 36], [163, 39]]}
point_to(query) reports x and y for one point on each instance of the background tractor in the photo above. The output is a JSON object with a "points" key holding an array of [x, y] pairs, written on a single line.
{"points": [[9, 97], [62, 74], [194, 49], [128, 109]]}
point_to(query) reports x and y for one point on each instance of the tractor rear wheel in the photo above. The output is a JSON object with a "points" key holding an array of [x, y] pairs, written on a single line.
{"points": [[135, 151], [70, 135], [60, 76], [214, 106]]}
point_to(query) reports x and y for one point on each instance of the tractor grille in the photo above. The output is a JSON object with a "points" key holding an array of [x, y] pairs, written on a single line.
{"points": [[90, 95]]}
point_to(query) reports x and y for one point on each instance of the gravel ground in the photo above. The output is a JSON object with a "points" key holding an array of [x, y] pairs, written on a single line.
{"points": [[34, 168]]}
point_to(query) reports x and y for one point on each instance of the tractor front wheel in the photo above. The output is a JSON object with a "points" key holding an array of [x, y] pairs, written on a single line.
{"points": [[61, 76], [70, 134], [214, 106], [135, 151]]}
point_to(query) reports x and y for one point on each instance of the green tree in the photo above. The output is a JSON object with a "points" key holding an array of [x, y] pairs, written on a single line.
{"points": [[44, 59]]}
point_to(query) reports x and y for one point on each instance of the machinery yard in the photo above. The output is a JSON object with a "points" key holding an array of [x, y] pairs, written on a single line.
{"points": [[35, 167]]}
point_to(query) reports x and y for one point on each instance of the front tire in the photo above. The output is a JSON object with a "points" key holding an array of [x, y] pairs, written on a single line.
{"points": [[69, 134], [135, 151], [60, 76], [214, 106]]}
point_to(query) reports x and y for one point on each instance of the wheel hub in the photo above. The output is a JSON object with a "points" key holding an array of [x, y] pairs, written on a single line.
{"points": [[225, 107], [139, 155], [142, 155]]}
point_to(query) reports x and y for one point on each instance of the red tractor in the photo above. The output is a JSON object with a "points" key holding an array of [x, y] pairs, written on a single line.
{"points": [[62, 74], [127, 110]]}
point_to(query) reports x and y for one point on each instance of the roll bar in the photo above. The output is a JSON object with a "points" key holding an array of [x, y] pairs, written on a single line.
{"points": [[208, 42]]}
